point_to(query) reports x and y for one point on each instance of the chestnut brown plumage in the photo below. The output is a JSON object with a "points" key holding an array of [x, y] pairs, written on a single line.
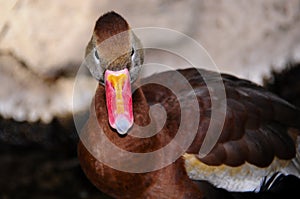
{"points": [[256, 125], [259, 126]]}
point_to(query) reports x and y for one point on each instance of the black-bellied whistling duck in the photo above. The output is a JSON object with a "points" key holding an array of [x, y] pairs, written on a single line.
{"points": [[258, 137]]}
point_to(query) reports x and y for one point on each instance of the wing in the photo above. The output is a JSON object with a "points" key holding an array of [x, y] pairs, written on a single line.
{"points": [[257, 124]]}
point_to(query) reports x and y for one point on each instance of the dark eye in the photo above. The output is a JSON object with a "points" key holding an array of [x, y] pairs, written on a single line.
{"points": [[96, 54], [132, 51]]}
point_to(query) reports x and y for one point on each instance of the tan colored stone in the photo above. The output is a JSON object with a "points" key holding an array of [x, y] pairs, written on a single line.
{"points": [[24, 96]]}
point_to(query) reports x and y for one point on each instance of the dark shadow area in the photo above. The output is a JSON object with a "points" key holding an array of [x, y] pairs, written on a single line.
{"points": [[40, 161], [286, 83]]}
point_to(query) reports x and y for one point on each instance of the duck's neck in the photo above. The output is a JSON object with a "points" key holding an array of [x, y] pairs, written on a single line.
{"points": [[168, 182]]}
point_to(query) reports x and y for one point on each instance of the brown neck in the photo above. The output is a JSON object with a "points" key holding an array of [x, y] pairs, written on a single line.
{"points": [[168, 182]]}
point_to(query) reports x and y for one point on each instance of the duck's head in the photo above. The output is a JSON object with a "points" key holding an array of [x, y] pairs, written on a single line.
{"points": [[114, 57]]}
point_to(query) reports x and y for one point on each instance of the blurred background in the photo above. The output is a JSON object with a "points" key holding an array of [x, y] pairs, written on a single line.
{"points": [[42, 45]]}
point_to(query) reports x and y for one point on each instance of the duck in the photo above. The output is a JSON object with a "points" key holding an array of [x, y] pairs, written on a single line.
{"points": [[258, 138]]}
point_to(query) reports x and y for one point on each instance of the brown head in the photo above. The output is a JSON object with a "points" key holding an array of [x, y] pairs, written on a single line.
{"points": [[114, 57], [114, 47]]}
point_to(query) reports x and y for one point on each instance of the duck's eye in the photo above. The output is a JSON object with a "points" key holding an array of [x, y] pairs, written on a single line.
{"points": [[96, 55], [132, 51]]}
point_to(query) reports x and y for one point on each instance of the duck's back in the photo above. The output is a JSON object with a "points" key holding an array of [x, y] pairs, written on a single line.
{"points": [[259, 136]]}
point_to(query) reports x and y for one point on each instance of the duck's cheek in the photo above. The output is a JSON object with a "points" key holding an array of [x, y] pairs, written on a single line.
{"points": [[119, 100]]}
